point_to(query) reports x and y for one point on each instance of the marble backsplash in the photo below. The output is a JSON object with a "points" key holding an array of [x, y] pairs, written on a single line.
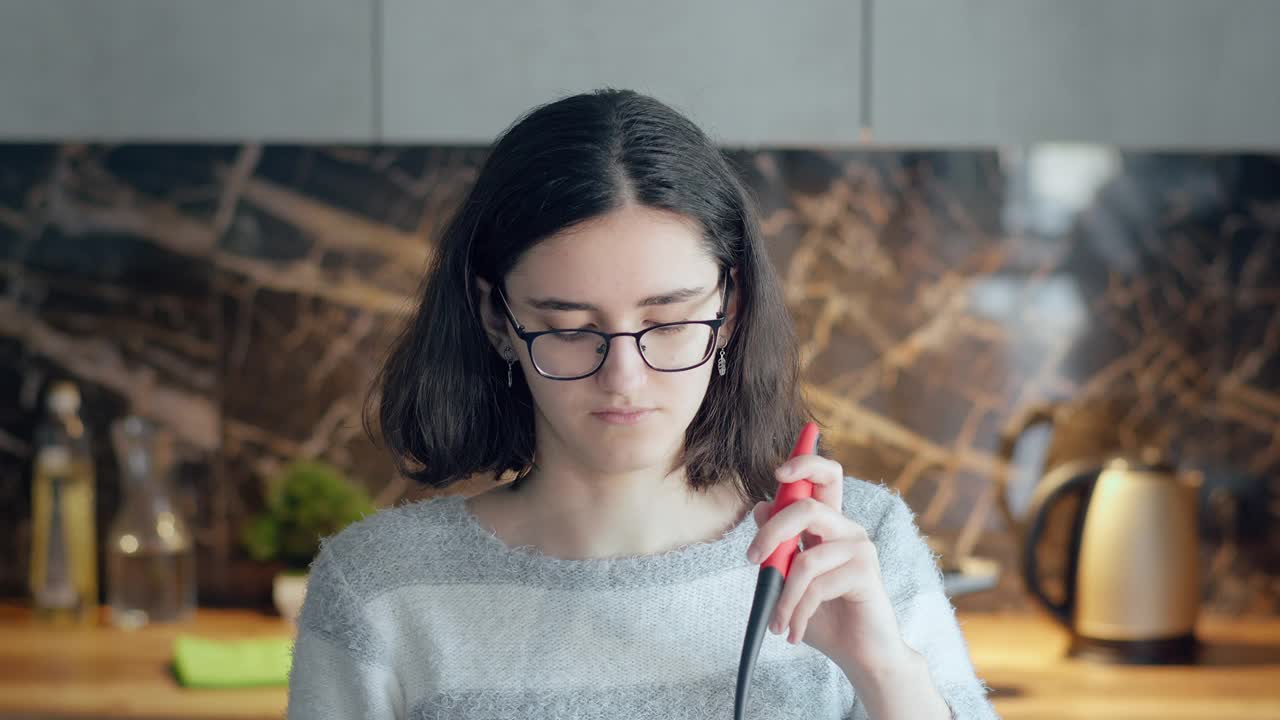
{"points": [[242, 295]]}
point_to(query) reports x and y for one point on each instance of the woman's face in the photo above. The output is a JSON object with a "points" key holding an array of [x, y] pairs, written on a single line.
{"points": [[615, 273]]}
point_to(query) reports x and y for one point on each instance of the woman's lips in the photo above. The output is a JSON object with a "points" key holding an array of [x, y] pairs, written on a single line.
{"points": [[623, 418]]}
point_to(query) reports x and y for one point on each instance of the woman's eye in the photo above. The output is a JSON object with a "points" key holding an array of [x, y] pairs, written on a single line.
{"points": [[573, 336], [592, 328]]}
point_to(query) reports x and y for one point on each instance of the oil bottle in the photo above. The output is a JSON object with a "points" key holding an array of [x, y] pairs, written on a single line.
{"points": [[63, 579]]}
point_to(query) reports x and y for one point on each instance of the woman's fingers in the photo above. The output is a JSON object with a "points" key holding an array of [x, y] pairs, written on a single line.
{"points": [[808, 515], [826, 474], [827, 477], [807, 566]]}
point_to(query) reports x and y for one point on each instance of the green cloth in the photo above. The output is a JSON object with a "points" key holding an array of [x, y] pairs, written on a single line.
{"points": [[251, 662]]}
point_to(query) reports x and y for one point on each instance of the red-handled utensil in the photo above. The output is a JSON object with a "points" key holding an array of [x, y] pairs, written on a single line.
{"points": [[773, 573]]}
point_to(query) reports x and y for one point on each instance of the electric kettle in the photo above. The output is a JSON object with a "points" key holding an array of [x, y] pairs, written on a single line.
{"points": [[1131, 576]]}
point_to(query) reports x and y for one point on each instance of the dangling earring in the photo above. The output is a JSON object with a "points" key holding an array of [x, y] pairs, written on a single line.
{"points": [[506, 353], [720, 364]]}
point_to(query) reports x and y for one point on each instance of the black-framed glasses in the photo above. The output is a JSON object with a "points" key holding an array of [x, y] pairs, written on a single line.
{"points": [[578, 353]]}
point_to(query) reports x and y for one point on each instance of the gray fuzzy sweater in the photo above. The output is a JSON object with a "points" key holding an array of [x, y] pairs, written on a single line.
{"points": [[418, 611]]}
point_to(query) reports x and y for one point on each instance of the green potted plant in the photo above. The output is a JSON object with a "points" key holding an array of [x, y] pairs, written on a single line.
{"points": [[308, 500]]}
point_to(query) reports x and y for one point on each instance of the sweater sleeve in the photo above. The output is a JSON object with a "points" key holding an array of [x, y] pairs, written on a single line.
{"points": [[925, 615], [339, 668]]}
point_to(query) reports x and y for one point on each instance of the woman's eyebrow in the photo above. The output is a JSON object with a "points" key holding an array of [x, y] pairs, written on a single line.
{"points": [[667, 298]]}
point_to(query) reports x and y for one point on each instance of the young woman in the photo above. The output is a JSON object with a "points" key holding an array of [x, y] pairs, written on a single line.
{"points": [[601, 325]]}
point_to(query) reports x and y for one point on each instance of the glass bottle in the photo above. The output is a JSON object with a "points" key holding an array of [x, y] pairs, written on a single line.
{"points": [[63, 577], [150, 554]]}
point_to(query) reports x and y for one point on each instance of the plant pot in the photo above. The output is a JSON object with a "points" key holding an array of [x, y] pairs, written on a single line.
{"points": [[288, 590]]}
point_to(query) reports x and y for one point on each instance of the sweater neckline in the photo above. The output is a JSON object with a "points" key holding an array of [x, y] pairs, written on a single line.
{"points": [[679, 564]]}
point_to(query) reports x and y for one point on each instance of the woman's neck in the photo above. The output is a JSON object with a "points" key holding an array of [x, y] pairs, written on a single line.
{"points": [[622, 516]]}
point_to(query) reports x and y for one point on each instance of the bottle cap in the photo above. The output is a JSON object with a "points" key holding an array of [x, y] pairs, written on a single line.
{"points": [[64, 398]]}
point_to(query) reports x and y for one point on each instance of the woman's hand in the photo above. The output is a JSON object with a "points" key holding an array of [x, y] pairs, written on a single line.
{"points": [[833, 597]]}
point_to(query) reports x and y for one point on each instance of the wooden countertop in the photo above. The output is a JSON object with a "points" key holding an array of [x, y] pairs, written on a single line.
{"points": [[104, 672], [101, 672], [1022, 658]]}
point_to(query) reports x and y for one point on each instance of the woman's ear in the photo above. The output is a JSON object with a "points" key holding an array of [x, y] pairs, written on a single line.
{"points": [[731, 308], [495, 323]]}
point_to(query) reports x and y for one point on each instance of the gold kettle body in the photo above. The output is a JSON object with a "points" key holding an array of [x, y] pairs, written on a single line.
{"points": [[1132, 585], [1139, 573]]}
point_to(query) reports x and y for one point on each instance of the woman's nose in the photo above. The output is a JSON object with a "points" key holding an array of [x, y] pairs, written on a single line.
{"points": [[623, 366]]}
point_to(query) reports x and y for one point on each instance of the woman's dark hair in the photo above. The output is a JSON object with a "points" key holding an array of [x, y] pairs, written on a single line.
{"points": [[445, 410]]}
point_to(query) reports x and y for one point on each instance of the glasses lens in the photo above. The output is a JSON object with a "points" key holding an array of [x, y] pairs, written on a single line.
{"points": [[678, 346], [568, 353]]}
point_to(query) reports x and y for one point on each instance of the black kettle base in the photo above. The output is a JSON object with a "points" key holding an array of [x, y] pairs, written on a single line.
{"points": [[1180, 650]]}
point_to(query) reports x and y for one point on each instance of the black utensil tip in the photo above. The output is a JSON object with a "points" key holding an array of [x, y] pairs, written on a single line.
{"points": [[768, 588]]}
